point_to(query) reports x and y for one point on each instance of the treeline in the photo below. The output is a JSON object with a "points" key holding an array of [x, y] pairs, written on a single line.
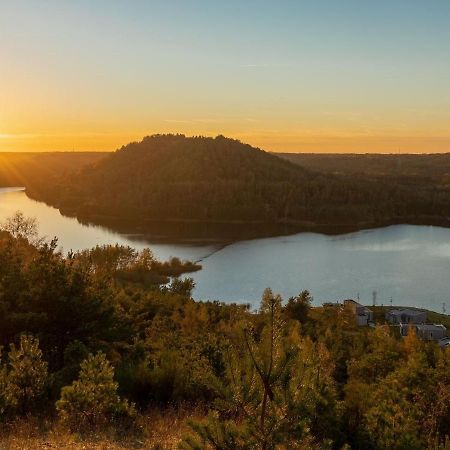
{"points": [[93, 340], [175, 178], [425, 177], [434, 167], [23, 169]]}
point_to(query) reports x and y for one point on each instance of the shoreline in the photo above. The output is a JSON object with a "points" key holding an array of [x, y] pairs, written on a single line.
{"points": [[225, 232]]}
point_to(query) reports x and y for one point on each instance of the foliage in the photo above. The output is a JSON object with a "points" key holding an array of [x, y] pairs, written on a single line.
{"points": [[22, 169], [23, 379], [287, 376], [274, 388], [298, 307], [198, 180], [19, 226], [123, 264], [92, 400]]}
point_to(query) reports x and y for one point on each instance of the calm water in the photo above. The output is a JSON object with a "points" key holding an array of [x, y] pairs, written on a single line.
{"points": [[411, 264]]}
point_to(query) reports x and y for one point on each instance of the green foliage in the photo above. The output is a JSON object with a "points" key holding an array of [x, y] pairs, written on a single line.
{"points": [[297, 308], [23, 379], [197, 181], [92, 400], [124, 265], [274, 389], [285, 377], [182, 287]]}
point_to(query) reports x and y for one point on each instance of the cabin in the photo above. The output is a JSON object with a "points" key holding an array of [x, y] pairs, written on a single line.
{"points": [[406, 315], [363, 315], [425, 331]]}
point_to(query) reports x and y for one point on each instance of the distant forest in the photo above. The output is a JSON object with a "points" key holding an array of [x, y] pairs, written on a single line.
{"points": [[425, 167], [25, 169], [178, 179]]}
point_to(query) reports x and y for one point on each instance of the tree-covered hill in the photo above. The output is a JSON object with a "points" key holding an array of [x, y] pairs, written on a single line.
{"points": [[175, 178]]}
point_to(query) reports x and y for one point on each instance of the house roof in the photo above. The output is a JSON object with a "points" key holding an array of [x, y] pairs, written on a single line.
{"points": [[366, 309], [431, 327], [409, 312]]}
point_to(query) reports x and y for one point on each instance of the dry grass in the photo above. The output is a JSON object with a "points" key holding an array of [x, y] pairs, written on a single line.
{"points": [[160, 430]]}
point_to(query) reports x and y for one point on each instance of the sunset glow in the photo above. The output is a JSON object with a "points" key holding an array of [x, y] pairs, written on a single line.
{"points": [[300, 76]]}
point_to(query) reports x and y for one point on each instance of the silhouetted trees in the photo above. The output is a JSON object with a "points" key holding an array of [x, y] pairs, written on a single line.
{"points": [[175, 178]]}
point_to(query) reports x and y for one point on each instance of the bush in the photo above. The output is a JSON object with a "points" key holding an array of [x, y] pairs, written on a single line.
{"points": [[23, 380], [92, 402]]}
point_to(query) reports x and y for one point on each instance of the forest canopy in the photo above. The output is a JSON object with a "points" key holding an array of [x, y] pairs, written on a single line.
{"points": [[174, 178], [96, 344]]}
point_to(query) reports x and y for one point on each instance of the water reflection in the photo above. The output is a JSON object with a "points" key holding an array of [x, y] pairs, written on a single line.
{"points": [[409, 263]]}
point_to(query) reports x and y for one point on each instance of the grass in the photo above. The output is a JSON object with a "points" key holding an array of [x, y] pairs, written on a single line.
{"points": [[161, 430]]}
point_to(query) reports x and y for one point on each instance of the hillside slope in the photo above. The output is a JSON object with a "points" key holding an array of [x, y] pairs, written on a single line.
{"points": [[20, 169], [177, 178]]}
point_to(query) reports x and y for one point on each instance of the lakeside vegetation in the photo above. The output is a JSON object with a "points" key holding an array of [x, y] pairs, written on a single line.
{"points": [[106, 349], [175, 179]]}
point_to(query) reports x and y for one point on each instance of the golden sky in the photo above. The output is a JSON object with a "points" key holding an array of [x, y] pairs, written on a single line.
{"points": [[296, 76]]}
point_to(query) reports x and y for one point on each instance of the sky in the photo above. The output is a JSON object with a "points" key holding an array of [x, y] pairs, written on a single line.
{"points": [[295, 76]]}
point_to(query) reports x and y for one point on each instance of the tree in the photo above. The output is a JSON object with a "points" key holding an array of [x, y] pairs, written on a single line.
{"points": [[182, 287], [298, 307], [27, 374], [273, 385], [6, 402], [67, 305], [92, 400], [20, 226]]}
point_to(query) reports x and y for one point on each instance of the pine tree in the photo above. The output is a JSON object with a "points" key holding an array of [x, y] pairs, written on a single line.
{"points": [[92, 400], [271, 390], [27, 375]]}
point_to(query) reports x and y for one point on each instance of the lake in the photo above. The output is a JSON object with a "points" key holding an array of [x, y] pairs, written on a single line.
{"points": [[409, 263]]}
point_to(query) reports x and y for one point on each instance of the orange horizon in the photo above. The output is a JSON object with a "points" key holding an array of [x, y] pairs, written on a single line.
{"points": [[277, 144], [284, 144], [355, 78]]}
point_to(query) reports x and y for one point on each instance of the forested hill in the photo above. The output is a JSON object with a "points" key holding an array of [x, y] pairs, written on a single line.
{"points": [[177, 178]]}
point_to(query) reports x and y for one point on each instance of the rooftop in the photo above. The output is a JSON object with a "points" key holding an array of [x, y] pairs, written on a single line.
{"points": [[430, 327], [411, 312]]}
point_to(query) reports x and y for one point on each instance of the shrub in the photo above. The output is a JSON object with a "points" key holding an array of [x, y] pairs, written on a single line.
{"points": [[22, 382], [91, 402]]}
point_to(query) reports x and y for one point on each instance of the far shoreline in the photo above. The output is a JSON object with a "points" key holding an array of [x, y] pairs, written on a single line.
{"points": [[192, 231]]}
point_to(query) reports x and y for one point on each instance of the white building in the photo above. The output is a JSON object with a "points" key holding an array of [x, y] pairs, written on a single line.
{"points": [[362, 314], [444, 343], [406, 315], [425, 331]]}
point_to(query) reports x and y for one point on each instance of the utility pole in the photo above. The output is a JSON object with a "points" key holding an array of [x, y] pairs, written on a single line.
{"points": [[374, 298]]}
